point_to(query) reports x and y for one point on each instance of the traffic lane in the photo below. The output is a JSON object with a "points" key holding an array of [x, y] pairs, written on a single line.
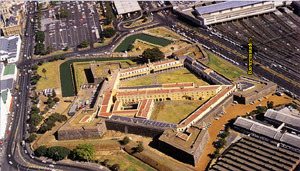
{"points": [[266, 74]]}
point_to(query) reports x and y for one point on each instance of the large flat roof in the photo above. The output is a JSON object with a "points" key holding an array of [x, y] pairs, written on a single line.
{"points": [[124, 7], [223, 6]]}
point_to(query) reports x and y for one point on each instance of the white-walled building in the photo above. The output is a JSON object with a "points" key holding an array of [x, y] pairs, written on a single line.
{"points": [[127, 7], [231, 10], [3, 118], [10, 48]]}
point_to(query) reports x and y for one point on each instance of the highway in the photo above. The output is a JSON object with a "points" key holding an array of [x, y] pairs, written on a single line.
{"points": [[15, 157], [229, 50]]}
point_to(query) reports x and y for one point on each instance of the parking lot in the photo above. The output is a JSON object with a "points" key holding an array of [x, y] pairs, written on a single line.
{"points": [[81, 25]]}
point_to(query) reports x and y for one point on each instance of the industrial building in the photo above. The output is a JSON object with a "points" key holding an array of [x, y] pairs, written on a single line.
{"points": [[127, 7], [227, 11], [250, 153], [10, 48]]}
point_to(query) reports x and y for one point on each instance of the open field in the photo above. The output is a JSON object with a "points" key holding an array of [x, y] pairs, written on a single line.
{"points": [[66, 73], [175, 76], [125, 161], [50, 79], [224, 67], [131, 39], [174, 111], [232, 112], [162, 31], [192, 51]]}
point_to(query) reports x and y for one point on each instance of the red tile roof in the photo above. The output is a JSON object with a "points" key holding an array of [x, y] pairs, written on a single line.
{"points": [[182, 136], [116, 105], [85, 118], [160, 91], [133, 69], [204, 107], [178, 85], [164, 62], [144, 108]]}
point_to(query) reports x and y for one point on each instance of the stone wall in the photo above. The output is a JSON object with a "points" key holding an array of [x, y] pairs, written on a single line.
{"points": [[71, 133], [133, 128], [244, 98]]}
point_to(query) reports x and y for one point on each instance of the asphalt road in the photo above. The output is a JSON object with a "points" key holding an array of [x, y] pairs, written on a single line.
{"points": [[16, 158], [171, 20]]}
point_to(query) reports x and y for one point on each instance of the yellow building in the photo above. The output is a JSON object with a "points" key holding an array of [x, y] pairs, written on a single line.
{"points": [[150, 68], [12, 14], [195, 93]]}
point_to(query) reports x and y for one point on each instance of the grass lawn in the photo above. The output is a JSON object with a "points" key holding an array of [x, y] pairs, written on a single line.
{"points": [[174, 111], [175, 76], [66, 73], [125, 161], [162, 31], [151, 39], [50, 79], [137, 23], [224, 67]]}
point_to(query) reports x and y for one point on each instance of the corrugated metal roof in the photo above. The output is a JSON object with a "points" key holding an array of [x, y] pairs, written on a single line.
{"points": [[6, 84], [282, 117], [223, 6], [124, 7]]}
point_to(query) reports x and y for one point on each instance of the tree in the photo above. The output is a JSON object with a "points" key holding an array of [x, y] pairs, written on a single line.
{"points": [[63, 13], [66, 48], [34, 67], [270, 104], [39, 49], [31, 138], [54, 94], [115, 167], [40, 37], [40, 151], [35, 119], [140, 147], [109, 32], [83, 44], [130, 47], [56, 99], [83, 152], [105, 162], [125, 140], [57, 153], [153, 54], [44, 71], [261, 109]]}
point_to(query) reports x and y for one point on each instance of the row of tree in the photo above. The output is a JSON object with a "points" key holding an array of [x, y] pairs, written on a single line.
{"points": [[82, 152], [109, 14], [49, 123]]}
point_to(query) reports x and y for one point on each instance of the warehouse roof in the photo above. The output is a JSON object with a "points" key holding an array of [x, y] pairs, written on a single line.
{"points": [[6, 84], [223, 6], [282, 117], [124, 7]]}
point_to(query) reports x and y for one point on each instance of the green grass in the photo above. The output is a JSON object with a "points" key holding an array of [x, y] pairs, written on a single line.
{"points": [[224, 67], [175, 76], [125, 161], [174, 111], [151, 39], [147, 80], [66, 77], [50, 79]]}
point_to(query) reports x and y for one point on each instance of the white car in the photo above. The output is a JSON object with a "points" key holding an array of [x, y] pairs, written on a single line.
{"points": [[51, 165], [44, 161], [10, 162]]}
